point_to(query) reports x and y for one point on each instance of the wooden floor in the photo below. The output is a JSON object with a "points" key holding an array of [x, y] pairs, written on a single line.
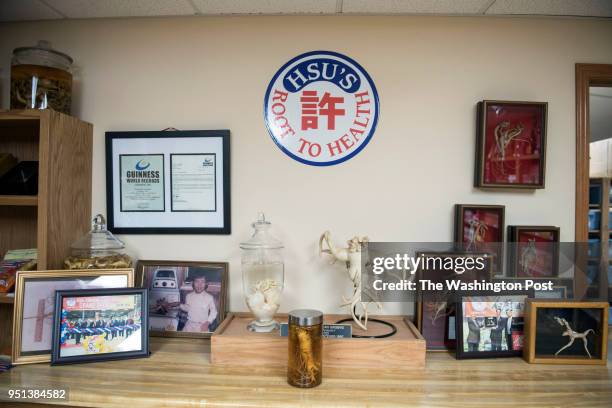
{"points": [[179, 374]]}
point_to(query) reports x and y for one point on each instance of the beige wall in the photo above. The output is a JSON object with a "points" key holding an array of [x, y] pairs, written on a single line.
{"points": [[210, 73]]}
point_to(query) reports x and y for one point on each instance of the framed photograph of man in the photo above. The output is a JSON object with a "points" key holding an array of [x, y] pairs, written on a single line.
{"points": [[35, 305], [117, 326], [490, 326], [186, 299]]}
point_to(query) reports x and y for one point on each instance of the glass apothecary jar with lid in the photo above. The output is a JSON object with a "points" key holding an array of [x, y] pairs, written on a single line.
{"points": [[41, 78], [98, 249], [263, 274]]}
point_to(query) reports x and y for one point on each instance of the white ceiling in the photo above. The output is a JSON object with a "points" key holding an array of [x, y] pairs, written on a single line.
{"points": [[27, 10]]}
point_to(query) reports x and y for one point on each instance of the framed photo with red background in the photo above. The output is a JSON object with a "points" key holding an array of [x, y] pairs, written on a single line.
{"points": [[533, 251], [480, 228], [511, 144]]}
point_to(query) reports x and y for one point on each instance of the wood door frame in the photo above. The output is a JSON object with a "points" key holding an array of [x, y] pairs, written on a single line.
{"points": [[587, 75]]}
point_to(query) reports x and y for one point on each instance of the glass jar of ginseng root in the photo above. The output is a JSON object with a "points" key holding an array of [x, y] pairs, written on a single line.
{"points": [[304, 367], [41, 78]]}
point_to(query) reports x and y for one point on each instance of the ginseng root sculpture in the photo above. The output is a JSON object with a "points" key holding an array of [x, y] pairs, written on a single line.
{"points": [[529, 256], [573, 335], [352, 257]]}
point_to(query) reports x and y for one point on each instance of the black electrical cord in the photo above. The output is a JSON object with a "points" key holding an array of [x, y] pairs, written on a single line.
{"points": [[379, 336]]}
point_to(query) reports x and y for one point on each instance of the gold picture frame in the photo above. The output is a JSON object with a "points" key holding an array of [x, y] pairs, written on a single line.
{"points": [[599, 333], [18, 356], [184, 266]]}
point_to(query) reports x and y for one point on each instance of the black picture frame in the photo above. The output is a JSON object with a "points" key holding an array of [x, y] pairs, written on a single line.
{"points": [[56, 359], [460, 354], [113, 187]]}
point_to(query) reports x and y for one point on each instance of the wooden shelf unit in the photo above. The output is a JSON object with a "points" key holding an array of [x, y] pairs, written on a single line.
{"points": [[19, 200], [603, 234], [61, 212]]}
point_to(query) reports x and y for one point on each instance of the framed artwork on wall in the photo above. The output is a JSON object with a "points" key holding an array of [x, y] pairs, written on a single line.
{"points": [[168, 182], [533, 251], [490, 326], [480, 228], [35, 306], [566, 332], [186, 299], [511, 144], [120, 325]]}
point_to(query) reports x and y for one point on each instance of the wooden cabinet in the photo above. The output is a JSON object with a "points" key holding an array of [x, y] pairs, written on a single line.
{"points": [[61, 212]]}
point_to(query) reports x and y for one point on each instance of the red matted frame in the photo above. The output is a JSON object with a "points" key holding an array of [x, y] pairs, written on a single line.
{"points": [[542, 261], [511, 144], [480, 228]]}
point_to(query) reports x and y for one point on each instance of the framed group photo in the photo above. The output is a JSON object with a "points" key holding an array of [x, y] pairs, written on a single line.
{"points": [[511, 144], [168, 182], [186, 299], [490, 326], [35, 306], [119, 329]]}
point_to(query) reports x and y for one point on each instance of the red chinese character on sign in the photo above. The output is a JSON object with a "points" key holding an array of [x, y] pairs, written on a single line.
{"points": [[330, 109], [327, 104], [309, 100]]}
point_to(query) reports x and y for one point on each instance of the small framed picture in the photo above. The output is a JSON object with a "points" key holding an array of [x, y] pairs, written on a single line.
{"points": [[480, 228], [435, 310], [557, 292], [562, 288], [511, 144], [35, 305], [533, 251], [99, 324], [490, 326], [566, 332], [186, 299], [168, 182]]}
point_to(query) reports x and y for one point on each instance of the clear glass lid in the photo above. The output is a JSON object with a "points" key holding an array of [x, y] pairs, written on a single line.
{"points": [[99, 238], [262, 239], [42, 54]]}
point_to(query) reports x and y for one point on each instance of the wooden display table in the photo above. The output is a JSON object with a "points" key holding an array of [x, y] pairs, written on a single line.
{"points": [[234, 345], [179, 374]]}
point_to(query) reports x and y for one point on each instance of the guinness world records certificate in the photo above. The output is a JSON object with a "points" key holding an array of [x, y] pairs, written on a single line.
{"points": [[142, 182], [168, 182]]}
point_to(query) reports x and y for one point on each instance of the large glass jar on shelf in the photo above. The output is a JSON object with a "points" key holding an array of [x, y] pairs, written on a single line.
{"points": [[41, 78], [263, 274], [98, 249]]}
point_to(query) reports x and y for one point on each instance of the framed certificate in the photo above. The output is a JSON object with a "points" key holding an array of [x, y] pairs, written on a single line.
{"points": [[161, 182]]}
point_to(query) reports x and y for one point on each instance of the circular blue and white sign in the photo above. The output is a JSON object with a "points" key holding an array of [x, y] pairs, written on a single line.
{"points": [[321, 108]]}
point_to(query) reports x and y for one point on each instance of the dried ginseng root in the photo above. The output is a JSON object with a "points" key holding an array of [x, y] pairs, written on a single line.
{"points": [[305, 356]]}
